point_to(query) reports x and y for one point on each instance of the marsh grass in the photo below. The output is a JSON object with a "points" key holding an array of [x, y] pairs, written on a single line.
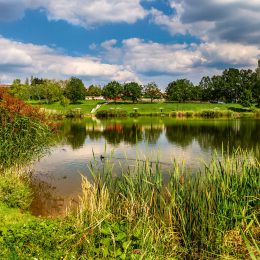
{"points": [[22, 139], [190, 215]]}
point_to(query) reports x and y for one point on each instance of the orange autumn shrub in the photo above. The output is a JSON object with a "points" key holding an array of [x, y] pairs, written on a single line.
{"points": [[14, 106]]}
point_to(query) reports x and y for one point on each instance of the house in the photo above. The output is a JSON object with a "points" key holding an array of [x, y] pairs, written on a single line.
{"points": [[94, 98]]}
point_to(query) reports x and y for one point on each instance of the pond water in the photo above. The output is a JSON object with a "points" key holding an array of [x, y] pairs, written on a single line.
{"points": [[57, 176]]}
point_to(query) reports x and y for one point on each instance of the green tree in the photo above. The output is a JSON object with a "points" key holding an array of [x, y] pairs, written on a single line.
{"points": [[256, 93], [179, 90], [232, 85], [20, 90], [112, 90], [95, 91], [132, 91], [246, 99], [51, 91], [75, 90], [152, 91], [206, 87]]}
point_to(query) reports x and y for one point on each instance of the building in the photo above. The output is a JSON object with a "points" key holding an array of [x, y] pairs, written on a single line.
{"points": [[94, 98]]}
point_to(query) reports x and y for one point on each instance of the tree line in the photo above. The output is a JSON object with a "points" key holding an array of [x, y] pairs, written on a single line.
{"points": [[232, 86]]}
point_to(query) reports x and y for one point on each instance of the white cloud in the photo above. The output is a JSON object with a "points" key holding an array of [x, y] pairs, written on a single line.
{"points": [[22, 60], [216, 20], [85, 13], [145, 57]]}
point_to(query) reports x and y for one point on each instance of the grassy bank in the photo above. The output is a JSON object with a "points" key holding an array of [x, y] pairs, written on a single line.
{"points": [[124, 109], [212, 214], [84, 106], [142, 214], [206, 110]]}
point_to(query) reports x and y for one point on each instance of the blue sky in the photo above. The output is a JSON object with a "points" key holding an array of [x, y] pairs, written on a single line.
{"points": [[141, 40]]}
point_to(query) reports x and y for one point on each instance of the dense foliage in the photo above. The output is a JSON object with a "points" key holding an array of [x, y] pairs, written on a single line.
{"points": [[152, 91], [113, 90], [75, 90], [132, 91], [24, 132], [139, 216], [232, 86]]}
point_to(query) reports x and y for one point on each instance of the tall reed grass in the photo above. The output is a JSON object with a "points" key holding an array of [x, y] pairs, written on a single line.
{"points": [[24, 131], [190, 215]]}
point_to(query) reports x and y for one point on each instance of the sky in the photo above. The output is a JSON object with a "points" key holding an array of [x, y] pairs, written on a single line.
{"points": [[127, 40]]}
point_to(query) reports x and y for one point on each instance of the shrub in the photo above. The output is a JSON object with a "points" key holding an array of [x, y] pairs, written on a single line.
{"points": [[111, 113]]}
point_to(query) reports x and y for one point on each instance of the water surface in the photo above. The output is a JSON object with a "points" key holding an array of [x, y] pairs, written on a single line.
{"points": [[57, 176]]}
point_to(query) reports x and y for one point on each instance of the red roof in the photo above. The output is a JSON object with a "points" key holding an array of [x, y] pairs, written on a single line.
{"points": [[5, 85]]}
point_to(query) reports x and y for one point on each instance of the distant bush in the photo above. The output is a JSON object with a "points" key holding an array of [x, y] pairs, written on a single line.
{"points": [[111, 113], [75, 113]]}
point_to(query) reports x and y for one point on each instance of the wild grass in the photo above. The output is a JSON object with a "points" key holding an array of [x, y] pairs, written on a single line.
{"points": [[22, 139], [190, 215], [24, 131]]}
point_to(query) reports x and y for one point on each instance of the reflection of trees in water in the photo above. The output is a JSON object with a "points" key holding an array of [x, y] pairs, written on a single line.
{"points": [[242, 134], [209, 134], [74, 132], [152, 133], [180, 134], [117, 133]]}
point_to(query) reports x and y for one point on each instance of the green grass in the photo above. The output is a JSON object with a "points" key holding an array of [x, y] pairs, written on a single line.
{"points": [[169, 107], [10, 216], [200, 215], [212, 214], [85, 106]]}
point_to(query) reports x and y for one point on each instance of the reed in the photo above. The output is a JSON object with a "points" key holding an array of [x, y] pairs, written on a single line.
{"points": [[191, 215]]}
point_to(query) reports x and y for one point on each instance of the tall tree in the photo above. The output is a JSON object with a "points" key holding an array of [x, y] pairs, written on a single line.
{"points": [[206, 87], [112, 90], [179, 90], [132, 91], [94, 91], [152, 91], [51, 91], [75, 90]]}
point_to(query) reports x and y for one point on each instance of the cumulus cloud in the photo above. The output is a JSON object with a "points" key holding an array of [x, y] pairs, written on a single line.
{"points": [[21, 60], [85, 13], [151, 58], [215, 20]]}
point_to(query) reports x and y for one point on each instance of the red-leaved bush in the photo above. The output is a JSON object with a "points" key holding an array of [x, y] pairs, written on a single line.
{"points": [[14, 106]]}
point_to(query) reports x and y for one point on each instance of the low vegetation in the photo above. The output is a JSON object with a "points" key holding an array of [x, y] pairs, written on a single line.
{"points": [[24, 132], [143, 213], [209, 214]]}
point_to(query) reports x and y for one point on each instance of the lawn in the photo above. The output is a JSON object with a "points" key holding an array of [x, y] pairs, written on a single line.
{"points": [[147, 108], [85, 105]]}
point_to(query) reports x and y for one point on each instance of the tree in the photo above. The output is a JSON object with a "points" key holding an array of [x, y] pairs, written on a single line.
{"points": [[256, 93], [132, 91], [51, 91], [246, 99], [20, 90], [179, 90], [152, 91], [232, 84], [112, 90], [206, 87], [75, 90], [95, 91]]}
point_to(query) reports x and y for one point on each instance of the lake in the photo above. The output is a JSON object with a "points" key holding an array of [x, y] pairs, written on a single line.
{"points": [[57, 176]]}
